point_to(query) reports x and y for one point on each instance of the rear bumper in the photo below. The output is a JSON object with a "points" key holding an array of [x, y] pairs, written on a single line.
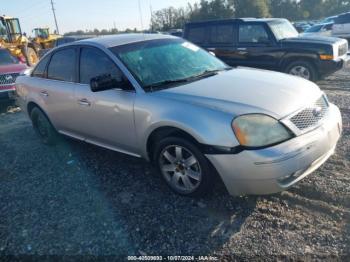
{"points": [[274, 169]]}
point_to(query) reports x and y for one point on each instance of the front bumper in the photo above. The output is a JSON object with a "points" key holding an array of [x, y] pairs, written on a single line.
{"points": [[328, 67], [274, 169], [7, 92]]}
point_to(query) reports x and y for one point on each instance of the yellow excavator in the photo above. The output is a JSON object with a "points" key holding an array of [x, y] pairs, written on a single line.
{"points": [[12, 38], [43, 37]]}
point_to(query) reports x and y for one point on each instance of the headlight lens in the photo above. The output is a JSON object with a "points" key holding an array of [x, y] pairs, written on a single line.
{"points": [[256, 130]]}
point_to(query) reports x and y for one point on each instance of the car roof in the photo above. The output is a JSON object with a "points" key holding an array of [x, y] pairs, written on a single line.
{"points": [[123, 39], [237, 20], [323, 24]]}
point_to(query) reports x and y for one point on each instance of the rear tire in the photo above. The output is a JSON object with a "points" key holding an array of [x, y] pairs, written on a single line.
{"points": [[43, 127], [302, 69], [183, 167]]}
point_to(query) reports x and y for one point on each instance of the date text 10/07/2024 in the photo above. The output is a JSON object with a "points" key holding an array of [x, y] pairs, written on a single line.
{"points": [[172, 258]]}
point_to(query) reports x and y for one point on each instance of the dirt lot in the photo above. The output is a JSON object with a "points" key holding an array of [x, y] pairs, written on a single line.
{"points": [[78, 199]]}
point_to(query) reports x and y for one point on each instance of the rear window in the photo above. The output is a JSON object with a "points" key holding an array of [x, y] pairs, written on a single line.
{"points": [[62, 65], [39, 70], [196, 34], [221, 34]]}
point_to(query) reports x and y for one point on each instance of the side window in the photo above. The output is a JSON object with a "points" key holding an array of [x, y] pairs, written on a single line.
{"points": [[62, 65], [3, 31], [94, 62], [222, 34], [249, 33], [196, 35], [39, 70], [328, 27]]}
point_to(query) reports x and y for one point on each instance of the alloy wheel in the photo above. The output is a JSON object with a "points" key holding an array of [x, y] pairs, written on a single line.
{"points": [[180, 168], [300, 71]]}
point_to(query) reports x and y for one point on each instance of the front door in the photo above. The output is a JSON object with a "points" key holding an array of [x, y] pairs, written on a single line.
{"points": [[105, 117], [256, 46]]}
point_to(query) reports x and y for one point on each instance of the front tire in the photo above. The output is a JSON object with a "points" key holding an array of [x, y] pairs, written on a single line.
{"points": [[43, 127], [183, 167], [31, 56], [302, 69]]}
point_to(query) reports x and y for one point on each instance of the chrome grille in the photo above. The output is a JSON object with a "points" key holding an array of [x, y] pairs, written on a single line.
{"points": [[8, 79], [311, 116], [343, 49]]}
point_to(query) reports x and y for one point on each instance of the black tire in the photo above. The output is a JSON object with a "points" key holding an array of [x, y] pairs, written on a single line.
{"points": [[31, 56], [43, 127], [202, 165], [305, 65]]}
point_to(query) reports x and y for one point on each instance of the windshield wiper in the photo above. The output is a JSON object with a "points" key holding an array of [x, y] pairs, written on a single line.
{"points": [[204, 74], [209, 73], [165, 83]]}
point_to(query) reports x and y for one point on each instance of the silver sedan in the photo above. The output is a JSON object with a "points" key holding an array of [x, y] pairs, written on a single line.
{"points": [[166, 100]]}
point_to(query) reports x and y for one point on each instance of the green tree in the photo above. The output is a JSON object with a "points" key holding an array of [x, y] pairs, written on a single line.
{"points": [[289, 9], [251, 8], [215, 9]]}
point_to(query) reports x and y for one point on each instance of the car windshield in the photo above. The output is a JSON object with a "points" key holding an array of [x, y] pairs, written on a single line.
{"points": [[6, 58], [315, 28], [160, 63], [283, 29]]}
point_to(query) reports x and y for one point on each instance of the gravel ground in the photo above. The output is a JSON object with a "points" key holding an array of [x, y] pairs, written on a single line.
{"points": [[78, 199]]}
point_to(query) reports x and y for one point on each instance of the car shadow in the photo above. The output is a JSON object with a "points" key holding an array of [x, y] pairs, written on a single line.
{"points": [[157, 220], [6, 105], [79, 199]]}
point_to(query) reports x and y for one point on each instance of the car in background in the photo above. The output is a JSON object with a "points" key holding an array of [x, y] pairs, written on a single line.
{"points": [[64, 40], [176, 32], [341, 27], [166, 100], [271, 44], [10, 68], [319, 30], [329, 19], [301, 26]]}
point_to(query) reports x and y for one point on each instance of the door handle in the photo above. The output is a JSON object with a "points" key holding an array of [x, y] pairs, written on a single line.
{"points": [[84, 102], [44, 93]]}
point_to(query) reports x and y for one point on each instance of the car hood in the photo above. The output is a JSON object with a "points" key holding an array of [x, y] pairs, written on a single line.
{"points": [[314, 39], [246, 90], [12, 68]]}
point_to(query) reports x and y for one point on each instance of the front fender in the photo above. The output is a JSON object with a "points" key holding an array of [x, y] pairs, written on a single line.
{"points": [[206, 125]]}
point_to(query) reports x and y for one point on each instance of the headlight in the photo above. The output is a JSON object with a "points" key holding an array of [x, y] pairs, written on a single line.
{"points": [[256, 130]]}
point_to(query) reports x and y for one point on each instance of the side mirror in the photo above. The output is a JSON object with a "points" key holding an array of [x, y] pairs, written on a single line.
{"points": [[106, 82]]}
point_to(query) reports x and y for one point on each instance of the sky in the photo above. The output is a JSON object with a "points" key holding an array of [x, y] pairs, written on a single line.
{"points": [[74, 15]]}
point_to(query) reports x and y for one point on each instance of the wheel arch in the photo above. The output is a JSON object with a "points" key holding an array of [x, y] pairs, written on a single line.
{"points": [[288, 59], [166, 131], [31, 105]]}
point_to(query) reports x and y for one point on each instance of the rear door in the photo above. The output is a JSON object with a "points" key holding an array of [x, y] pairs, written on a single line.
{"points": [[222, 41], [256, 46], [56, 91]]}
